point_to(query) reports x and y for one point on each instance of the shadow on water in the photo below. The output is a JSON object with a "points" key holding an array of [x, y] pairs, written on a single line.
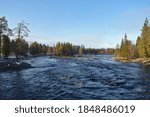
{"points": [[18, 86], [12, 87]]}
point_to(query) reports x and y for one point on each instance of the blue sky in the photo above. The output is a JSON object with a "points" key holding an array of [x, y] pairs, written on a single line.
{"points": [[94, 23]]}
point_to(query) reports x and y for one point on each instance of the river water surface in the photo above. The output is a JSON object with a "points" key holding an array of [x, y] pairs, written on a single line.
{"points": [[90, 77]]}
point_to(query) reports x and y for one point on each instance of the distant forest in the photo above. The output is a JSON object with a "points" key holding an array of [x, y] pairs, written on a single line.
{"points": [[19, 47], [139, 50]]}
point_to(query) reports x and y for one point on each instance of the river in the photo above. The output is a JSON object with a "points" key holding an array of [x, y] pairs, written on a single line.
{"points": [[90, 77]]}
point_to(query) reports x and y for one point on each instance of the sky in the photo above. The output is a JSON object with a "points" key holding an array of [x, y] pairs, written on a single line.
{"points": [[93, 23]]}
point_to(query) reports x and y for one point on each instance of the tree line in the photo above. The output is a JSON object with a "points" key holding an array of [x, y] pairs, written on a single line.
{"points": [[19, 47], [141, 49], [68, 49]]}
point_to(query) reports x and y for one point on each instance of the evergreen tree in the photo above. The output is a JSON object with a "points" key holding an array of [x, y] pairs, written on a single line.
{"points": [[141, 47], [21, 48], [117, 51], [127, 49], [58, 49], [143, 41], [76, 49], [81, 50], [37, 48], [34, 48], [4, 30], [145, 37], [64, 49], [6, 46], [12, 47], [124, 47]]}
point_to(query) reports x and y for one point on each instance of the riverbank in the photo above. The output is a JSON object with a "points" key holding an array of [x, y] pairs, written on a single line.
{"points": [[144, 61], [13, 64]]}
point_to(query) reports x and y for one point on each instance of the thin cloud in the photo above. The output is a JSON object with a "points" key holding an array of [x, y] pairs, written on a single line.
{"points": [[40, 39], [93, 41]]}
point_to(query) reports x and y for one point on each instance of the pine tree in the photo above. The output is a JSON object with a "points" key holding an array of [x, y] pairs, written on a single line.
{"points": [[124, 47], [6, 46], [141, 47], [12, 47], [21, 48], [64, 49], [117, 51], [4, 30], [143, 41], [38, 48], [127, 49], [81, 50], [145, 36]]}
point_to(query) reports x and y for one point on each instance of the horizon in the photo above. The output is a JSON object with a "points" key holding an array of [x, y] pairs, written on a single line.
{"points": [[93, 23]]}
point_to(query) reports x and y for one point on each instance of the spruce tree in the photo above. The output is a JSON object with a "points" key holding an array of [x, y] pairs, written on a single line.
{"points": [[6, 46], [146, 38], [124, 47], [4, 30], [141, 47], [12, 47], [81, 50], [117, 51]]}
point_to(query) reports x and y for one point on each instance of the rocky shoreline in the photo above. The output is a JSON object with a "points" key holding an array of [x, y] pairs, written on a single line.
{"points": [[144, 61], [13, 65]]}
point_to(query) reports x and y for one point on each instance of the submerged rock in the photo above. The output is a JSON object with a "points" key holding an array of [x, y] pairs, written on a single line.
{"points": [[11, 66]]}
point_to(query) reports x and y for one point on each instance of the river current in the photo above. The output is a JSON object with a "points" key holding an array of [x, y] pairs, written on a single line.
{"points": [[90, 77]]}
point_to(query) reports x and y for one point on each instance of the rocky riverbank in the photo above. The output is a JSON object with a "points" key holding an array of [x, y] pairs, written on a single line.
{"points": [[144, 61], [13, 65]]}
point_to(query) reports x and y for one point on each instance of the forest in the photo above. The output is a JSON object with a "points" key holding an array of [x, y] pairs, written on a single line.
{"points": [[13, 43], [141, 49]]}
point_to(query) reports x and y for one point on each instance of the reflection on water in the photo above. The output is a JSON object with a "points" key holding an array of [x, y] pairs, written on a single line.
{"points": [[90, 77]]}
